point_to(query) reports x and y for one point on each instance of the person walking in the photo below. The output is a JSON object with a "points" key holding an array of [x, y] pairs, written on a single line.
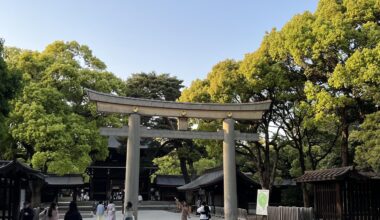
{"points": [[128, 213], [177, 204], [100, 211], [204, 211], [27, 213], [111, 211], [73, 213], [185, 211], [52, 212]]}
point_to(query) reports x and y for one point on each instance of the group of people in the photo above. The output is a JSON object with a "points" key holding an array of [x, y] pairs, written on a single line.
{"points": [[51, 213], [203, 210], [107, 212]]}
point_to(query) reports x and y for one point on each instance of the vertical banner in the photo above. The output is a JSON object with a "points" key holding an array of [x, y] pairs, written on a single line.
{"points": [[262, 202]]}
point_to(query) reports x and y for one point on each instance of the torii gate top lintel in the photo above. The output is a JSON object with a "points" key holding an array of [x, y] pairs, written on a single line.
{"points": [[127, 105]]}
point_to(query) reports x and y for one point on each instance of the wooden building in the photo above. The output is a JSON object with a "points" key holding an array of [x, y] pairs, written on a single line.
{"points": [[55, 185], [209, 187], [344, 193], [18, 183], [107, 178], [166, 186]]}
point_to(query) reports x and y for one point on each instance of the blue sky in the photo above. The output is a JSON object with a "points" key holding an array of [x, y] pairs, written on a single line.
{"points": [[182, 37]]}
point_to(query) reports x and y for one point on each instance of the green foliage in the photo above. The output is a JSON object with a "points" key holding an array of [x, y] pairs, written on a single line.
{"points": [[167, 165], [204, 164], [361, 73], [335, 48], [52, 118], [368, 140], [170, 165], [9, 84], [153, 86], [321, 73], [197, 92]]}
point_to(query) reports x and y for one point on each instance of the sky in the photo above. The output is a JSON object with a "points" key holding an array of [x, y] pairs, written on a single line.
{"points": [[184, 38]]}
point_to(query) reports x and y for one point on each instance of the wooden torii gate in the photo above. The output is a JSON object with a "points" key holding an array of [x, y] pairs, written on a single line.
{"points": [[136, 107]]}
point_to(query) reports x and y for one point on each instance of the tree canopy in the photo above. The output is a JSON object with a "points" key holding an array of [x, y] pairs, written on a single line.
{"points": [[52, 119], [321, 72], [9, 85]]}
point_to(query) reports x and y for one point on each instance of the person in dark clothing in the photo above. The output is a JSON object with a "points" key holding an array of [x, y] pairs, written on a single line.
{"points": [[204, 211], [73, 213], [27, 213]]}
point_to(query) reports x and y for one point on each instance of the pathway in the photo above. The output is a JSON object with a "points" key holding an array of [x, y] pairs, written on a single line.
{"points": [[155, 215], [150, 215]]}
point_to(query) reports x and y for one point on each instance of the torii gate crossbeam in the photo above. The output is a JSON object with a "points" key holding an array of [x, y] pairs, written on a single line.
{"points": [[175, 134]]}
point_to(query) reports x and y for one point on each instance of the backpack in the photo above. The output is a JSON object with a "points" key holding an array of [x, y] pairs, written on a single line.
{"points": [[207, 211]]}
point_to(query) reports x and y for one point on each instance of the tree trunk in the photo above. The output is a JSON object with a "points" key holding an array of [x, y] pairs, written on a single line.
{"points": [[305, 193], [185, 173], [35, 188], [344, 144]]}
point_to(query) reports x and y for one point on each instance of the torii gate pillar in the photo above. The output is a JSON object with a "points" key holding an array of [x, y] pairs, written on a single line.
{"points": [[132, 170], [229, 170]]}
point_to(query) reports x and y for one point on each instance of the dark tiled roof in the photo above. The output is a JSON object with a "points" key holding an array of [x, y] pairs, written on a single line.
{"points": [[324, 175], [371, 175], [170, 180], [67, 180], [8, 167], [204, 180], [210, 177]]}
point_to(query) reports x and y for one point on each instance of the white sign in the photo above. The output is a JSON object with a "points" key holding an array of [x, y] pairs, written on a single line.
{"points": [[262, 202]]}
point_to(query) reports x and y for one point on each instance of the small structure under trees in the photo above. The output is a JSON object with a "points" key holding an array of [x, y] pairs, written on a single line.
{"points": [[167, 185], [18, 183], [344, 193], [209, 187]]}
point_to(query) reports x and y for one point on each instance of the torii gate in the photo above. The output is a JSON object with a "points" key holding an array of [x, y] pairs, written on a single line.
{"points": [[136, 107]]}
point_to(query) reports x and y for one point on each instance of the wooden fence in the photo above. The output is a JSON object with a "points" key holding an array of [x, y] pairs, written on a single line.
{"points": [[290, 213], [274, 213]]}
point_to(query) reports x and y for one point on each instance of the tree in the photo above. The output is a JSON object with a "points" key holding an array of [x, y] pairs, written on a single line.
{"points": [[52, 118], [153, 86], [229, 81], [367, 140], [9, 85], [361, 73], [319, 44]]}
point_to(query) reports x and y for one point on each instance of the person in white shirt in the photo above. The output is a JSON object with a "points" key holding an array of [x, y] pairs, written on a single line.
{"points": [[111, 211], [204, 211]]}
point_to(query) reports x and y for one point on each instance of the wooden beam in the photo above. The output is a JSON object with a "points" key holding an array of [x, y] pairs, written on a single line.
{"points": [[174, 134]]}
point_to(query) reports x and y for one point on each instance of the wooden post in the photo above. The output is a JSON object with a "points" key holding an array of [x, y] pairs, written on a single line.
{"points": [[338, 201]]}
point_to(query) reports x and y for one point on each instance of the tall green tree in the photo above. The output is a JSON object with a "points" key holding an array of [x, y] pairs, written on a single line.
{"points": [[153, 86], [361, 73], [320, 43], [52, 118], [230, 82], [9, 85]]}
